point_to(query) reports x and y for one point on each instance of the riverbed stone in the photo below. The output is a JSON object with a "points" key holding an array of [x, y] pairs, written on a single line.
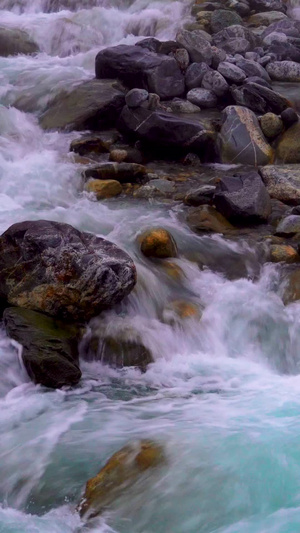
{"points": [[157, 243], [194, 74], [53, 268], [50, 347], [119, 473], [207, 219], [201, 196], [241, 139], [267, 5], [282, 182], [204, 98], [179, 311], [231, 72], [236, 39], [243, 198], [258, 98], [283, 253], [199, 49], [91, 104], [288, 226], [289, 117], [103, 188], [138, 67], [136, 97], [184, 106], [288, 149], [252, 68], [271, 125], [215, 82], [14, 41], [122, 172], [222, 18], [266, 18], [284, 70]]}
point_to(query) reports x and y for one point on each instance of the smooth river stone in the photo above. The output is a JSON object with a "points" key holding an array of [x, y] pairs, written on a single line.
{"points": [[241, 140], [284, 70]]}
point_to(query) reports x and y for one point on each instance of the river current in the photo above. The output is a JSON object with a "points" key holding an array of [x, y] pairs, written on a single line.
{"points": [[222, 396]]}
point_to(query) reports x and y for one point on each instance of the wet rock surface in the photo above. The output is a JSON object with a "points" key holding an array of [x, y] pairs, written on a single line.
{"points": [[53, 268]]}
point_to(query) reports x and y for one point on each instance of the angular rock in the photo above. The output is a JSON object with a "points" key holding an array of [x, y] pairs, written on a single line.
{"points": [[184, 106], [182, 57], [99, 143], [194, 75], [207, 218], [266, 18], [166, 130], [14, 42], [201, 196], [236, 39], [288, 226], [137, 67], [215, 82], [251, 68], [90, 105], [231, 72], [282, 182], [119, 473], [288, 148], [104, 188], [241, 139], [222, 18], [198, 48], [284, 71], [53, 268], [283, 50], [243, 198], [50, 347], [259, 98], [158, 243], [287, 26], [203, 98]]}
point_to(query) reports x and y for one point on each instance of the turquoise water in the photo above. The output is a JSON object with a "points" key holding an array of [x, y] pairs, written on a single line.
{"points": [[222, 395]]}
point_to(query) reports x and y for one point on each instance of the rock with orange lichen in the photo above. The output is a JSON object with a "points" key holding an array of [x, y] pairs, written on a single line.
{"points": [[180, 310], [158, 243], [120, 472], [283, 253]]}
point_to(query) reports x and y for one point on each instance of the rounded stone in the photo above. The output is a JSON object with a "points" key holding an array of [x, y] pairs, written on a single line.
{"points": [[289, 117], [222, 18], [104, 188], [271, 125], [136, 97], [118, 156], [283, 253], [158, 243], [202, 98]]}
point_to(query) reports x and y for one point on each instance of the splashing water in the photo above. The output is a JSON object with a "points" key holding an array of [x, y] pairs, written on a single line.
{"points": [[222, 395]]}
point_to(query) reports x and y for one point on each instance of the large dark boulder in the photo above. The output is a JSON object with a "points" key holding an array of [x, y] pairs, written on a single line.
{"points": [[88, 106], [50, 347], [165, 130], [139, 67], [243, 198], [259, 98], [14, 42], [54, 268]]}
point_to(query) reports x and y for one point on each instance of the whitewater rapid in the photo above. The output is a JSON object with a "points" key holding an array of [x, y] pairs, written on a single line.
{"points": [[222, 396]]}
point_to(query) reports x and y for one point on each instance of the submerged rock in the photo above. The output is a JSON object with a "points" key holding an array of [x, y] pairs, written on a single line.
{"points": [[241, 139], [122, 172], [89, 105], [207, 218], [104, 188], [50, 347], [157, 243], [120, 472], [14, 41], [180, 310], [138, 67], [243, 198], [53, 268]]}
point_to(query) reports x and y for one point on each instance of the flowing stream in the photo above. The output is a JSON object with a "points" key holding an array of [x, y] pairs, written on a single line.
{"points": [[223, 395]]}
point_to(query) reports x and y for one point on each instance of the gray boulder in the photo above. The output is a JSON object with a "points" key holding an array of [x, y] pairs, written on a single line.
{"points": [[241, 139], [138, 67], [259, 98], [14, 42], [166, 130], [215, 82], [252, 68], [89, 106], [222, 18], [288, 27], [194, 75], [53, 268], [243, 198], [231, 72], [50, 347], [284, 71], [267, 5], [136, 97], [236, 39], [198, 48], [288, 226], [202, 97]]}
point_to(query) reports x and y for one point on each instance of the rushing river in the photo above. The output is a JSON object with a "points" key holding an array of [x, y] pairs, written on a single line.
{"points": [[222, 396]]}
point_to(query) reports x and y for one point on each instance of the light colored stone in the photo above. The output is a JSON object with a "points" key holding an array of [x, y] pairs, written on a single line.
{"points": [[104, 188]]}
